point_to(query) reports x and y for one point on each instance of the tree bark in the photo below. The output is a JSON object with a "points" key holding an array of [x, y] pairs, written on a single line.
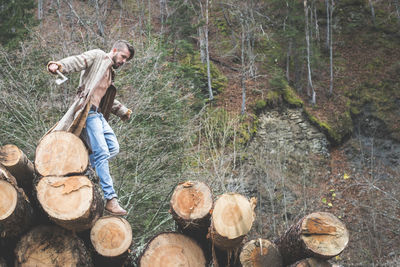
{"points": [[71, 202], [51, 246], [111, 237], [16, 214], [172, 249], [331, 51], [18, 164], [231, 220], [259, 253], [310, 84], [312, 262], [60, 154], [318, 234]]}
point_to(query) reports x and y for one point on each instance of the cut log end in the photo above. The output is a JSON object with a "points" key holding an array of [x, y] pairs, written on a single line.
{"points": [[232, 216], [324, 234], [10, 155], [61, 153], [65, 198], [51, 246], [71, 202], [8, 199], [170, 250], [312, 262], [192, 200], [259, 253], [18, 164], [111, 236]]}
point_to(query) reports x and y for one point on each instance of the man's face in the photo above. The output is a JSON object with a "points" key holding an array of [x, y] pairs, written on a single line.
{"points": [[120, 57]]}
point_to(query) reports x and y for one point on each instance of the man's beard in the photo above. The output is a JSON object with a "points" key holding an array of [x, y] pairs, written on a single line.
{"points": [[115, 65]]}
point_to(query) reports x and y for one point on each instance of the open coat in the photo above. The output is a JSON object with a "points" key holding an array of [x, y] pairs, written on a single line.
{"points": [[93, 65]]}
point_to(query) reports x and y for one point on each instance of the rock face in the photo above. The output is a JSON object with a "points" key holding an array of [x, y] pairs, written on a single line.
{"points": [[284, 161], [289, 132]]}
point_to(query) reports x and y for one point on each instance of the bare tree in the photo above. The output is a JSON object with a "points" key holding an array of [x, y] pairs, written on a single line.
{"points": [[396, 4], [371, 5], [203, 37], [163, 13], [331, 49], [40, 9], [310, 84]]}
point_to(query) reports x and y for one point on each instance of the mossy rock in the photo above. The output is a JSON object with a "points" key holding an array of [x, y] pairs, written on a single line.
{"points": [[194, 69], [336, 132], [291, 98]]}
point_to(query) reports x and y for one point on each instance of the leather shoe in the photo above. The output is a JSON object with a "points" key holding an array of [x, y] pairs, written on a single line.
{"points": [[113, 207]]}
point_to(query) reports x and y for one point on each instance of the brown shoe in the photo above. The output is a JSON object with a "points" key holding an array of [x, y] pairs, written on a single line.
{"points": [[113, 207]]}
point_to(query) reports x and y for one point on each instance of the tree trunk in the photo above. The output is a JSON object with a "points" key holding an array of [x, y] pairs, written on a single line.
{"points": [[72, 202], [111, 237], [16, 214], [310, 84], [318, 234], [208, 55], [231, 220], [312, 262], [61, 153], [172, 249], [18, 164], [331, 51], [259, 253], [371, 5], [51, 246]]}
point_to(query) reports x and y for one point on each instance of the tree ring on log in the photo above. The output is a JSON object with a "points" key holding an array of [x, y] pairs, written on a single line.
{"points": [[65, 198], [324, 234], [260, 252], [10, 155], [8, 199], [192, 200], [61, 153], [111, 236], [172, 249], [233, 216]]}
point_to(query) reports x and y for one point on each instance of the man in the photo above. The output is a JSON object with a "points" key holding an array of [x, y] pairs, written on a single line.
{"points": [[87, 117]]}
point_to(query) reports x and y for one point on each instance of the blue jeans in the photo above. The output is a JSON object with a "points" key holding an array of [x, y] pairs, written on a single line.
{"points": [[104, 146]]}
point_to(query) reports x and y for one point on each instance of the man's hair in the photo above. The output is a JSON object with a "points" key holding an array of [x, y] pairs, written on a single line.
{"points": [[121, 44]]}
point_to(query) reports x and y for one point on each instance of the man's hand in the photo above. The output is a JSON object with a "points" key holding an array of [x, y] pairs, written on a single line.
{"points": [[53, 68], [127, 115]]}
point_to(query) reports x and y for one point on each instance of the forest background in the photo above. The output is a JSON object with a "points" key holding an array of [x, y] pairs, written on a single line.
{"points": [[204, 74]]}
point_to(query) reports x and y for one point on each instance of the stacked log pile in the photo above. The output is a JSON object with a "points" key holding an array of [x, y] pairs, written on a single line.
{"points": [[221, 229], [76, 234], [57, 188]]}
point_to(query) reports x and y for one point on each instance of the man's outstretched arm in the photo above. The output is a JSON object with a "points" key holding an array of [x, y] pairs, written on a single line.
{"points": [[73, 63]]}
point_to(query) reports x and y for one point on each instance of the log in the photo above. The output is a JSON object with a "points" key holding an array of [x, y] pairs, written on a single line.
{"points": [[231, 220], [191, 205], [51, 246], [18, 164], [312, 262], [111, 237], [60, 154], [73, 202], [172, 249], [16, 213], [3, 262], [259, 253], [319, 234]]}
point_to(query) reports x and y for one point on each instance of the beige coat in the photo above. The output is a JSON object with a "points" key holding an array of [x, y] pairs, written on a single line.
{"points": [[93, 65]]}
